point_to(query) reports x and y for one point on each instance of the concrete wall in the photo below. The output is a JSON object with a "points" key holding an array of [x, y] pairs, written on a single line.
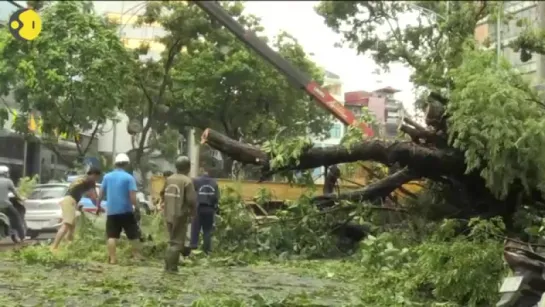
{"points": [[377, 105]]}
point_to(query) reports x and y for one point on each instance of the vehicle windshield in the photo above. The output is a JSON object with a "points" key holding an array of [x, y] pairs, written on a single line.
{"points": [[49, 192]]}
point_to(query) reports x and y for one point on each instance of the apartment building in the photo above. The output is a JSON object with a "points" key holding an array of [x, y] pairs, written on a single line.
{"points": [[488, 30], [388, 111], [334, 85]]}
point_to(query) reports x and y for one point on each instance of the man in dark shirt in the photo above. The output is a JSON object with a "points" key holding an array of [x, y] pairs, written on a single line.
{"points": [[331, 180], [208, 195], [69, 203]]}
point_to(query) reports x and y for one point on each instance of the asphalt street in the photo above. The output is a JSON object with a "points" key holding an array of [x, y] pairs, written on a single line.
{"points": [[7, 244]]}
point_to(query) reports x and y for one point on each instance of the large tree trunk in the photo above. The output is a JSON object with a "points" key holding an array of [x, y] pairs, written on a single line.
{"points": [[424, 161]]}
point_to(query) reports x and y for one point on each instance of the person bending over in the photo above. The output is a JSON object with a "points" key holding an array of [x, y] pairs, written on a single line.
{"points": [[69, 204]]}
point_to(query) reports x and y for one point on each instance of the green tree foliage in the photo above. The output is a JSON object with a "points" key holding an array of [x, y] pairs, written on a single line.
{"points": [[70, 75], [495, 118], [147, 95], [498, 121], [205, 77], [224, 85], [431, 44]]}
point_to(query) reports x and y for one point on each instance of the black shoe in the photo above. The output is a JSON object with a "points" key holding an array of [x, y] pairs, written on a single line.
{"points": [[186, 251]]}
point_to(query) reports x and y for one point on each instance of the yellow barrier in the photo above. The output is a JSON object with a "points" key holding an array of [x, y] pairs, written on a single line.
{"points": [[280, 191]]}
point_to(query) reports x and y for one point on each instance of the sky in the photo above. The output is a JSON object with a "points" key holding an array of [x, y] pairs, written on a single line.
{"points": [[356, 71]]}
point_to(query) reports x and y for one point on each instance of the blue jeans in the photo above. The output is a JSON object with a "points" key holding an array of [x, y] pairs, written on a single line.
{"points": [[204, 221]]}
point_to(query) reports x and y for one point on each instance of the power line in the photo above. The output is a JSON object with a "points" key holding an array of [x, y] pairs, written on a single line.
{"points": [[17, 4]]}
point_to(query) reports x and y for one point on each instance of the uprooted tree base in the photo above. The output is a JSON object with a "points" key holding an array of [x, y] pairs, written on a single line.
{"points": [[426, 156]]}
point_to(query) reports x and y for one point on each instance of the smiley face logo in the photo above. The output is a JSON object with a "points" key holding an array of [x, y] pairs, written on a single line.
{"points": [[25, 24]]}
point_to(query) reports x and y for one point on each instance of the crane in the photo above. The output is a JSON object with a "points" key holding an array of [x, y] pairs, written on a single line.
{"points": [[296, 76]]}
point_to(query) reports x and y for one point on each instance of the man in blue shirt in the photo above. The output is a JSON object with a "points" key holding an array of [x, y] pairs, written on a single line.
{"points": [[208, 196], [119, 187]]}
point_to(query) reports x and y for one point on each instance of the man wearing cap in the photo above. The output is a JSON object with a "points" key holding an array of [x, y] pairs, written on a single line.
{"points": [[119, 188], [180, 206], [69, 204]]}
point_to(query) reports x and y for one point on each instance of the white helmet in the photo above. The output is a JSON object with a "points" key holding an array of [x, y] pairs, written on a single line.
{"points": [[121, 158], [4, 170]]}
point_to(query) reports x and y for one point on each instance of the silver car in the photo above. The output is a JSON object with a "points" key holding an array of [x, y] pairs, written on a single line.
{"points": [[43, 212]]}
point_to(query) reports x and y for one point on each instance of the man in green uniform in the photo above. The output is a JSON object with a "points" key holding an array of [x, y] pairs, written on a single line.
{"points": [[180, 207]]}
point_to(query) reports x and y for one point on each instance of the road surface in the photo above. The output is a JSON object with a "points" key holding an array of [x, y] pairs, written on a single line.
{"points": [[7, 244]]}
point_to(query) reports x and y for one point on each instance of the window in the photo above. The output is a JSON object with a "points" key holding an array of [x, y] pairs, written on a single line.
{"points": [[335, 132]]}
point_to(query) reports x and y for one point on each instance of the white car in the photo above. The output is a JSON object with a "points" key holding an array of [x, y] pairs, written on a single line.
{"points": [[43, 212]]}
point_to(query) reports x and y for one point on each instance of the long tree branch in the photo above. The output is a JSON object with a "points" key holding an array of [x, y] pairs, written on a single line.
{"points": [[172, 52], [428, 162], [378, 189], [92, 137]]}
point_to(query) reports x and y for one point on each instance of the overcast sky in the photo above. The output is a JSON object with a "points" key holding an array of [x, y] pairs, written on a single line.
{"points": [[356, 71]]}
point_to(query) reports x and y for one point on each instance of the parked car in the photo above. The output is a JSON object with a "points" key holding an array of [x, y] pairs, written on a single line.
{"points": [[43, 212], [89, 206]]}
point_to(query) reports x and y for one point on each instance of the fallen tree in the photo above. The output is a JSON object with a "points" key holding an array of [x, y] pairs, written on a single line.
{"points": [[426, 156], [481, 150]]}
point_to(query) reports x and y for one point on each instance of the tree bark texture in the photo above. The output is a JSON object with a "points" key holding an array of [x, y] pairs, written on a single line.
{"points": [[423, 161]]}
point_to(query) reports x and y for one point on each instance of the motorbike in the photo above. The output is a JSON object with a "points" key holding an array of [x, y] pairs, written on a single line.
{"points": [[5, 225], [526, 287]]}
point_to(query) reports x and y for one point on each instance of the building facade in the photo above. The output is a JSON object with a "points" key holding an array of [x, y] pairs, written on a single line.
{"points": [[388, 111], [334, 85], [487, 30]]}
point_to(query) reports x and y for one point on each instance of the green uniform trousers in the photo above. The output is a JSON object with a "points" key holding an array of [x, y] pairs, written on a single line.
{"points": [[178, 236]]}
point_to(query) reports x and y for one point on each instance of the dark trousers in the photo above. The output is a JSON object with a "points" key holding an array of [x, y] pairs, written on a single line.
{"points": [[204, 221], [15, 220]]}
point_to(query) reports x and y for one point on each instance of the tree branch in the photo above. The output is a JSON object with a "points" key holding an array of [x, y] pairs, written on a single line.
{"points": [[379, 189], [426, 161], [92, 137]]}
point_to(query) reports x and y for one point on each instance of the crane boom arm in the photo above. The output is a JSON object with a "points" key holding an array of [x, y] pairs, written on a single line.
{"points": [[322, 96]]}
